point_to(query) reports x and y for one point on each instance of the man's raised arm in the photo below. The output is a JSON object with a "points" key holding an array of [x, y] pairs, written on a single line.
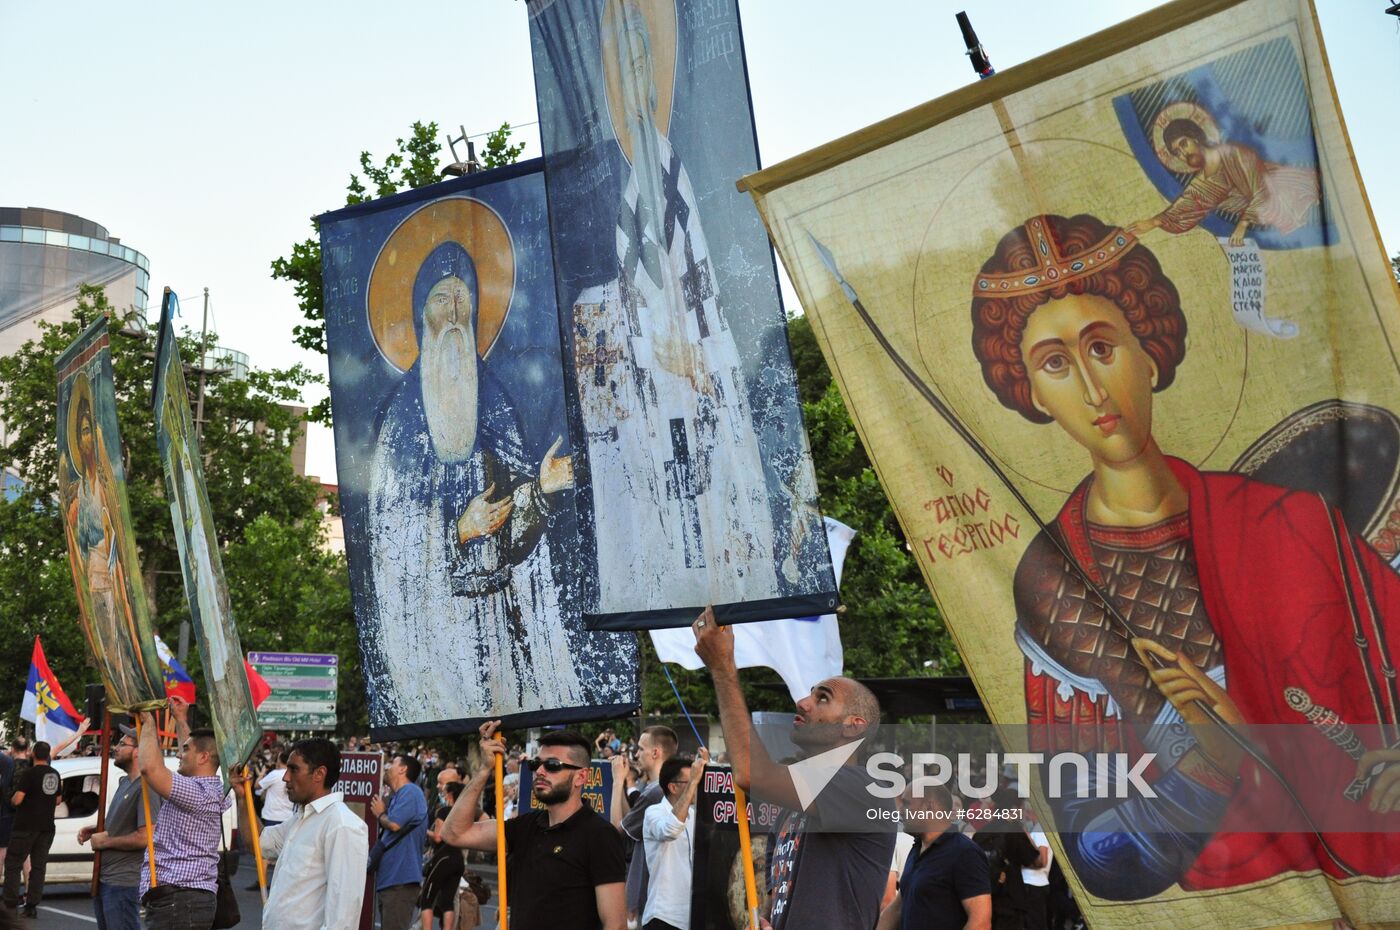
{"points": [[151, 759], [180, 710], [753, 767], [461, 827]]}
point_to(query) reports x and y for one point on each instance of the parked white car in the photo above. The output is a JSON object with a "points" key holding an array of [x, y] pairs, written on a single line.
{"points": [[77, 808]]}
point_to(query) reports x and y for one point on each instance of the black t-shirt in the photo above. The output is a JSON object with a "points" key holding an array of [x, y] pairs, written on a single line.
{"points": [[552, 871], [446, 850], [938, 878], [41, 785]]}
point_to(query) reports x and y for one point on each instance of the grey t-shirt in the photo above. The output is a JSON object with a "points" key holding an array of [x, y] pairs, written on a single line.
{"points": [[126, 814], [832, 879]]}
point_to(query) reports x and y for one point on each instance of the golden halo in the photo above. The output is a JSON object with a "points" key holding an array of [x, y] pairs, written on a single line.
{"points": [[82, 387], [389, 300], [1191, 112], [660, 17]]}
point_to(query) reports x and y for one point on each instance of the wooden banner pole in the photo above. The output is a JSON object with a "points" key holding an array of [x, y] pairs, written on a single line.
{"points": [[103, 754], [146, 806], [253, 829], [741, 814], [501, 836]]}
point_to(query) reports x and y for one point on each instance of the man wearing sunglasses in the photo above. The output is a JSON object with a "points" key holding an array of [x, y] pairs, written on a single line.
{"points": [[566, 866], [117, 903], [837, 880]]}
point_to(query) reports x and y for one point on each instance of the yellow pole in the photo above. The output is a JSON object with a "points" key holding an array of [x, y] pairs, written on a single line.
{"points": [[501, 834], [741, 813], [146, 806], [253, 829]]}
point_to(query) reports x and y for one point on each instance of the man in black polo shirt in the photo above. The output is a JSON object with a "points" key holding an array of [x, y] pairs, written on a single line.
{"points": [[35, 797], [946, 883], [566, 866]]}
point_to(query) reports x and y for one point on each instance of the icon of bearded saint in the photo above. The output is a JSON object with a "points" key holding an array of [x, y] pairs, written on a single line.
{"points": [[1075, 323], [463, 572], [678, 485]]}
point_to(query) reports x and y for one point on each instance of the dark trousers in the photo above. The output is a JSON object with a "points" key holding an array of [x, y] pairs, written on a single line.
{"points": [[180, 909], [1037, 904], [658, 924], [34, 845]]}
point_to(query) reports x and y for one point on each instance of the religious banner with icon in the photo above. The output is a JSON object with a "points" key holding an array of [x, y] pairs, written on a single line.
{"points": [[695, 484], [454, 462], [229, 701], [92, 501], [1118, 332]]}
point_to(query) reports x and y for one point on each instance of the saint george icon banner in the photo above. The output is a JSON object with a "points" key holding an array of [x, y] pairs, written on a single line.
{"points": [[1118, 332], [455, 466], [694, 481], [230, 701], [92, 501]]}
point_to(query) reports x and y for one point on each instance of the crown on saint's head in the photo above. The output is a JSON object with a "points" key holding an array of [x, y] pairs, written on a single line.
{"points": [[1053, 268]]}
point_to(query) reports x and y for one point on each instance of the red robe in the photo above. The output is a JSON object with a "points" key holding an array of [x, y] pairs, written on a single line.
{"points": [[1273, 587]]}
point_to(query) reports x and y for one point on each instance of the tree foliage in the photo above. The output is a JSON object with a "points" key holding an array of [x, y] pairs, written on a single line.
{"points": [[267, 518], [499, 152]]}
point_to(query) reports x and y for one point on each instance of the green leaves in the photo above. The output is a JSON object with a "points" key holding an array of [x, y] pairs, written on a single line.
{"points": [[498, 149]]}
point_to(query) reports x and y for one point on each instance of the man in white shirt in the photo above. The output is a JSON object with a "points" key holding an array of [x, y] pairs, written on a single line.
{"points": [[322, 851], [272, 787], [668, 835]]}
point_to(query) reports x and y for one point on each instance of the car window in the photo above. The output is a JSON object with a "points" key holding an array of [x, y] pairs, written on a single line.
{"points": [[79, 797]]}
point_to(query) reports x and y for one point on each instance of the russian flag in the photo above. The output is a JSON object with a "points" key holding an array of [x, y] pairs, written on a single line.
{"points": [[177, 681], [45, 705]]}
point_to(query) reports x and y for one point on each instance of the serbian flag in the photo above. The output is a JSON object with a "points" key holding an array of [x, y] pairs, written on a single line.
{"points": [[257, 685], [45, 705], [177, 681]]}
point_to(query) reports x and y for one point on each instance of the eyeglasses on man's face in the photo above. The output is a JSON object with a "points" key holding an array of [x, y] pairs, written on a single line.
{"points": [[552, 766]]}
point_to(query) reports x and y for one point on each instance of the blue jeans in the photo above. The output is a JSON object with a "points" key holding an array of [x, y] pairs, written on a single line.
{"points": [[118, 907]]}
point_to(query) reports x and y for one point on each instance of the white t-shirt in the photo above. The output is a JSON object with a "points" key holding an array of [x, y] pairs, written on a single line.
{"points": [[669, 846], [277, 807], [1039, 877], [903, 843]]}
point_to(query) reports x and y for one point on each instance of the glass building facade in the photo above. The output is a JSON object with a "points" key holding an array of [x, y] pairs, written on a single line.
{"points": [[46, 254]]}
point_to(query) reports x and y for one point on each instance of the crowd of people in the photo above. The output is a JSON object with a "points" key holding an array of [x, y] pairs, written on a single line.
{"points": [[569, 866]]}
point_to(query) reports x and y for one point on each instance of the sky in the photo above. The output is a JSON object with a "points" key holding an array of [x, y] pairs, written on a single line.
{"points": [[206, 136]]}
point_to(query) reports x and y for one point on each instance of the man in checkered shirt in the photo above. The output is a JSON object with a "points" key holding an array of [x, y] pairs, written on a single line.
{"points": [[188, 829]]}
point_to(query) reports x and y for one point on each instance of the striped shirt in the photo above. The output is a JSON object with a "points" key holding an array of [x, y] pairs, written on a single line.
{"points": [[189, 831]]}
